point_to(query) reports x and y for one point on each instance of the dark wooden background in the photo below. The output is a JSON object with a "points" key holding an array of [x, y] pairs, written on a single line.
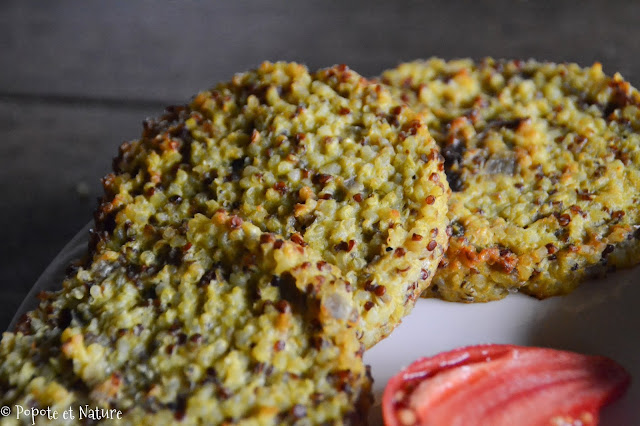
{"points": [[78, 77]]}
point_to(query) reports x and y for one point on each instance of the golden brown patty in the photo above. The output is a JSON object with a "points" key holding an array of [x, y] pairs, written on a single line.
{"points": [[327, 159], [544, 163], [246, 328]]}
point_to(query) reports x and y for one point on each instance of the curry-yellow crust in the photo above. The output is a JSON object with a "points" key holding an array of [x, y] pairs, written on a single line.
{"points": [[247, 248], [246, 328], [327, 158], [544, 163]]}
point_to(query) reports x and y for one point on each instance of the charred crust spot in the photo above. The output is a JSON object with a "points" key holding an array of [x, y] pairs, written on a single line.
{"points": [[259, 367], [321, 178], [64, 318], [180, 408], [175, 199], [283, 306], [617, 215], [455, 181], [608, 250], [211, 375], [300, 137], [280, 186], [24, 325], [176, 326], [434, 155], [577, 210], [346, 246], [584, 195], [413, 127], [341, 378], [508, 124], [297, 238], [621, 96], [73, 269], [317, 397], [105, 219], [181, 338], [267, 238], [237, 166], [564, 219], [369, 285], [453, 153], [506, 261], [473, 115], [171, 255], [380, 290], [224, 393]]}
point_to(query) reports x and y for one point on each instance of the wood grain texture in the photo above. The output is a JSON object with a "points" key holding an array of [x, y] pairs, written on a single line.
{"points": [[52, 160], [78, 77], [168, 50]]}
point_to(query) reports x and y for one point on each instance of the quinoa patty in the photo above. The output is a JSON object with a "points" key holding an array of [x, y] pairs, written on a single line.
{"points": [[327, 159], [247, 328], [544, 164]]}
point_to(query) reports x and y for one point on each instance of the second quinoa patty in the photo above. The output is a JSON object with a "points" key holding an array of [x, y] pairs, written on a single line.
{"points": [[544, 164], [247, 328], [327, 159]]}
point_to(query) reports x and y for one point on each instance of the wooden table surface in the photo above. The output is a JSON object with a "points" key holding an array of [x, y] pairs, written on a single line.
{"points": [[78, 77]]}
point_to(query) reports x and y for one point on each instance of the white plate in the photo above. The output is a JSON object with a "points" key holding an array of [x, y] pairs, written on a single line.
{"points": [[602, 317]]}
